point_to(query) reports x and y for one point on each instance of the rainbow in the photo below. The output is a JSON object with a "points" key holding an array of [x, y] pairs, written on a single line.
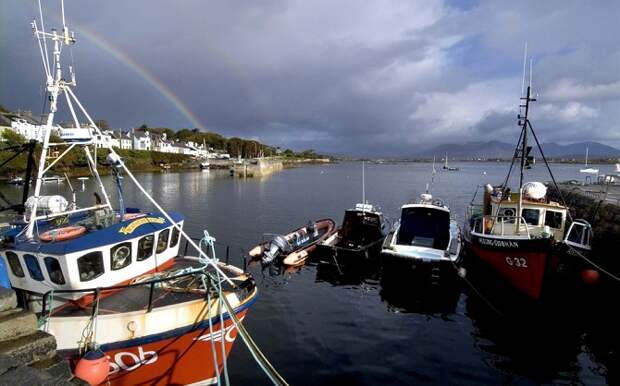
{"points": [[142, 71]]}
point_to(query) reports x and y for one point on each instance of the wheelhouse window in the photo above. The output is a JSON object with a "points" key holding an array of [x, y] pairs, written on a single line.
{"points": [[531, 216], [90, 266], [162, 241], [145, 247], [120, 256], [507, 215], [174, 238], [34, 269], [16, 266], [553, 219], [54, 270]]}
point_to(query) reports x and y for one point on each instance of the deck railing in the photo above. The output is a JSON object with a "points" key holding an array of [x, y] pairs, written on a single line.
{"points": [[508, 225]]}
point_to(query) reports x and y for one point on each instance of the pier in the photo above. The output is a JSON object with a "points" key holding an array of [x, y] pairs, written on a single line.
{"points": [[256, 167], [28, 355], [599, 204]]}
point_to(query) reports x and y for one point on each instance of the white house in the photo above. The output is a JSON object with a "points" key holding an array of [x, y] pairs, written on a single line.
{"points": [[162, 144], [28, 130], [142, 140]]}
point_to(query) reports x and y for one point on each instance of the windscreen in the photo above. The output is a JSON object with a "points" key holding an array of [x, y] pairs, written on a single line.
{"points": [[425, 227]]}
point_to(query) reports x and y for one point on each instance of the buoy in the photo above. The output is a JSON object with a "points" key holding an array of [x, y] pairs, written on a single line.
{"points": [[93, 367], [590, 276]]}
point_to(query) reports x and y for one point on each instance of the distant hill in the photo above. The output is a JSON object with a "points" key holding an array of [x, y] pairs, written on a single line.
{"points": [[497, 149]]}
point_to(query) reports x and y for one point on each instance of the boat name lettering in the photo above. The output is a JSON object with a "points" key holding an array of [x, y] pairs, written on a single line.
{"points": [[519, 262], [216, 335], [144, 220], [499, 243], [128, 361]]}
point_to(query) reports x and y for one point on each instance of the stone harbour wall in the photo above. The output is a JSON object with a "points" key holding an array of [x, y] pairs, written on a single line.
{"points": [[603, 215]]}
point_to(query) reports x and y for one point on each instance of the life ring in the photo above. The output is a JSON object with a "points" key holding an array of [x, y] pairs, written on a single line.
{"points": [[131, 216], [62, 234]]}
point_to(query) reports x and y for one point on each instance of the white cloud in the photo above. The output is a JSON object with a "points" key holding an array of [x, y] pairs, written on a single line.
{"points": [[447, 114], [573, 90], [570, 112]]}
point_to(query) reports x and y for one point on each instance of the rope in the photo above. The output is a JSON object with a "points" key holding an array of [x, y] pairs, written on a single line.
{"points": [[213, 353], [579, 254], [462, 274], [257, 354]]}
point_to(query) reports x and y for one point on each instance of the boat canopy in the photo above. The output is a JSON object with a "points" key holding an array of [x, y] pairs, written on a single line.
{"points": [[358, 226], [424, 226]]}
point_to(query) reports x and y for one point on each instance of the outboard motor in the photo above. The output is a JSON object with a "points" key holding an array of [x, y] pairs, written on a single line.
{"points": [[277, 246], [313, 229]]}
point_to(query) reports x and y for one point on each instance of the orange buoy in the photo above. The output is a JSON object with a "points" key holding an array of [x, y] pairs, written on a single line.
{"points": [[93, 367], [61, 234], [590, 276]]}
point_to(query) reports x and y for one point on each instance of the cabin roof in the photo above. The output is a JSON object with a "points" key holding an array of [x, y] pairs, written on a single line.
{"points": [[114, 234], [408, 206], [544, 204]]}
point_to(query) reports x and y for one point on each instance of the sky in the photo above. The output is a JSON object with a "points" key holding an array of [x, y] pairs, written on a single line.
{"points": [[383, 77]]}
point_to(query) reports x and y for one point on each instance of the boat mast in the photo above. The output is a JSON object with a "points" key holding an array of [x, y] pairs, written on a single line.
{"points": [[363, 184], [55, 86], [55, 83], [525, 149]]}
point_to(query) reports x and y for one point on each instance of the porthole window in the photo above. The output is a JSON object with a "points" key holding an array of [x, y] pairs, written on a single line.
{"points": [[54, 270], [174, 238], [145, 247], [90, 266], [16, 266], [120, 256], [34, 269], [507, 215], [162, 241]]}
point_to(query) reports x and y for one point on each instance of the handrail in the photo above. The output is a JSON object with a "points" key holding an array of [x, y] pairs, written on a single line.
{"points": [[96, 290], [496, 219]]}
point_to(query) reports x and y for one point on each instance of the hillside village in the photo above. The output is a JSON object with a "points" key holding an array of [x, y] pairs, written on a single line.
{"points": [[24, 124]]}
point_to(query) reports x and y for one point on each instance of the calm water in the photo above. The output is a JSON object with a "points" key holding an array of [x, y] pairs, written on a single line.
{"points": [[320, 327]]}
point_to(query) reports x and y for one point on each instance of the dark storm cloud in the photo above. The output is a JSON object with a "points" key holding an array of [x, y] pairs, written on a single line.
{"points": [[346, 77]]}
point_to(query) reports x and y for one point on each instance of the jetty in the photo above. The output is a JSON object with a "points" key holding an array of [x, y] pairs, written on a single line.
{"points": [[599, 204], [258, 167], [28, 355]]}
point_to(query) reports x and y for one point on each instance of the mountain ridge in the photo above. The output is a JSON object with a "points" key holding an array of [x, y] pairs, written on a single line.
{"points": [[498, 149]]}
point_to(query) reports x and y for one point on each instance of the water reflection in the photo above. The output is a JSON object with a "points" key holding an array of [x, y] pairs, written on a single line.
{"points": [[426, 289]]}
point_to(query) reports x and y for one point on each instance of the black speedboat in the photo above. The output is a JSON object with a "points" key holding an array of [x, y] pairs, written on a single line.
{"points": [[361, 233]]}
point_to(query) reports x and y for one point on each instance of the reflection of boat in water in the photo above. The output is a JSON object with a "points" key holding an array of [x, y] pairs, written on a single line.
{"points": [[330, 269], [294, 247], [422, 289], [424, 234]]}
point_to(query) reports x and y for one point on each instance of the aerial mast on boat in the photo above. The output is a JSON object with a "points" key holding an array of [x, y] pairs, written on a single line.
{"points": [[56, 85]]}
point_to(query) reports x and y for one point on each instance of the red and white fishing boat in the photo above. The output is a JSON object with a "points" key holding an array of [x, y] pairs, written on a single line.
{"points": [[523, 235], [109, 282]]}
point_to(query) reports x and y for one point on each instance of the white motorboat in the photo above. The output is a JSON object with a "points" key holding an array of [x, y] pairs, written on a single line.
{"points": [[424, 233]]}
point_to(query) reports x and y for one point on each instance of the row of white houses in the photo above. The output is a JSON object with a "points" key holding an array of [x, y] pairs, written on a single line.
{"points": [[122, 139]]}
